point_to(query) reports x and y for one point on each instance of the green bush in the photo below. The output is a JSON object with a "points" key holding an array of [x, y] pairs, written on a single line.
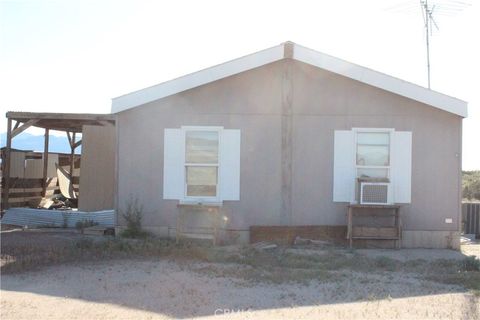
{"points": [[133, 218]]}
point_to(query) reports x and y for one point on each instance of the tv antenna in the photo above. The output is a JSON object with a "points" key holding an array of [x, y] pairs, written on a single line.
{"points": [[427, 13], [448, 8]]}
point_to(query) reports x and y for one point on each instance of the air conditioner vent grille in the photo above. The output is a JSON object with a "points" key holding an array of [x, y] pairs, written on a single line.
{"points": [[374, 193]]}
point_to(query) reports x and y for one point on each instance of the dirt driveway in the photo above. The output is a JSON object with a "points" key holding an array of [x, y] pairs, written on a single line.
{"points": [[160, 289], [181, 287]]}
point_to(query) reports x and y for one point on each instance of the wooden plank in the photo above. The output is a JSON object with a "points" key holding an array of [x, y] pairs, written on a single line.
{"points": [[370, 206], [25, 194], [45, 161], [72, 154], [24, 199], [287, 234], [373, 232], [6, 172], [72, 122], [60, 116], [374, 213], [398, 223], [30, 183], [17, 190], [33, 155], [349, 226]]}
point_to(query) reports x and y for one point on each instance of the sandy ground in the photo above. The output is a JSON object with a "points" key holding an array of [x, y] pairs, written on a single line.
{"points": [[164, 289]]}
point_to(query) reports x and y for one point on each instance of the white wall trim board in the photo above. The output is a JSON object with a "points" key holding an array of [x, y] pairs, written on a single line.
{"points": [[302, 54]]}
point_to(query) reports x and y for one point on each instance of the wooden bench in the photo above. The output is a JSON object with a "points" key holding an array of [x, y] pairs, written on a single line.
{"points": [[374, 233]]}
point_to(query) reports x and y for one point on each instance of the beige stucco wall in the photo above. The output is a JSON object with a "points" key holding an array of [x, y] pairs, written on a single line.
{"points": [[308, 104], [97, 168]]}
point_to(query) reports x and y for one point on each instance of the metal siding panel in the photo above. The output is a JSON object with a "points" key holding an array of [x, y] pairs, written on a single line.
{"points": [[97, 168]]}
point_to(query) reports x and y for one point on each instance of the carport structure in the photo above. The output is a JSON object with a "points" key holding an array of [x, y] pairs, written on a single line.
{"points": [[71, 123]]}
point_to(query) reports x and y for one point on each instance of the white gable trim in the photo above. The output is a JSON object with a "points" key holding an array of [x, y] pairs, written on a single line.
{"points": [[312, 57], [198, 78], [380, 80]]}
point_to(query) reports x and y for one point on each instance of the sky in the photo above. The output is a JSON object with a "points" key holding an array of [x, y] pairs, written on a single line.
{"points": [[74, 56]]}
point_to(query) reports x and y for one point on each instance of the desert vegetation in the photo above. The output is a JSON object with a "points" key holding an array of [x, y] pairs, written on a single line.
{"points": [[471, 185]]}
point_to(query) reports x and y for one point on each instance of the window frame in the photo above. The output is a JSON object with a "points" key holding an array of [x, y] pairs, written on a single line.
{"points": [[202, 199], [390, 132]]}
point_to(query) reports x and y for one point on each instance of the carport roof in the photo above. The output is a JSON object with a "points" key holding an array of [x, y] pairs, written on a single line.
{"points": [[70, 122]]}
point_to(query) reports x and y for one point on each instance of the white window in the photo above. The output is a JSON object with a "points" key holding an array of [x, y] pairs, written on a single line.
{"points": [[372, 153], [201, 164]]}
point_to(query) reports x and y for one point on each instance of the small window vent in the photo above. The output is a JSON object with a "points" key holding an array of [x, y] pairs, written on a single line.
{"points": [[374, 193]]}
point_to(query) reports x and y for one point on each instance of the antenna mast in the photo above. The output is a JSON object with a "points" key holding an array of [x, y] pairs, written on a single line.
{"points": [[447, 8], [428, 19]]}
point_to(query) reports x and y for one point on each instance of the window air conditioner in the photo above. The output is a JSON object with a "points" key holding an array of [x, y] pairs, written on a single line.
{"points": [[376, 193]]}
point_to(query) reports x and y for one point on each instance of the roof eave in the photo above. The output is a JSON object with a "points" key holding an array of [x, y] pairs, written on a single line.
{"points": [[198, 78], [381, 80], [299, 53]]}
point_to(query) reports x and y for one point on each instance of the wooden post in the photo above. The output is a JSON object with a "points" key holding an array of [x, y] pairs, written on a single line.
{"points": [[6, 174], [72, 154], [349, 227], [45, 162], [399, 227]]}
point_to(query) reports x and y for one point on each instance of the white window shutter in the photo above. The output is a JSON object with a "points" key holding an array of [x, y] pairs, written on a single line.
{"points": [[229, 175], [173, 164], [344, 167], [402, 166]]}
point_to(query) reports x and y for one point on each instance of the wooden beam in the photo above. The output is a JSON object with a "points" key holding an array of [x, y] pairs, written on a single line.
{"points": [[17, 123], [60, 116], [22, 128], [45, 162], [72, 154], [72, 122], [69, 139], [6, 173], [107, 123], [77, 144]]}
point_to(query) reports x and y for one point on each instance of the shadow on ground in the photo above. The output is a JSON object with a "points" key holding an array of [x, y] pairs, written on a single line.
{"points": [[180, 287]]}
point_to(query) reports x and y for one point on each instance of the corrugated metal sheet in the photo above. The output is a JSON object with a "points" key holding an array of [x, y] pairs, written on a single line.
{"points": [[471, 217], [38, 217]]}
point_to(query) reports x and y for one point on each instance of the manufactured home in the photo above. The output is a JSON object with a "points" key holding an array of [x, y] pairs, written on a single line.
{"points": [[289, 139], [288, 142]]}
